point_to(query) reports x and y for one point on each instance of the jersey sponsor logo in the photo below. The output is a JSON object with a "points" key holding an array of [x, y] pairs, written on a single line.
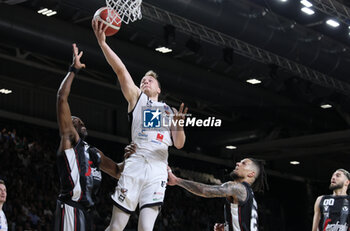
{"points": [[163, 183], [335, 227], [156, 142], [152, 118], [158, 193], [160, 137], [122, 196]]}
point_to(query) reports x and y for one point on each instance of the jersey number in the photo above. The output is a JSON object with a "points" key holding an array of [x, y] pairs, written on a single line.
{"points": [[254, 217], [328, 202]]}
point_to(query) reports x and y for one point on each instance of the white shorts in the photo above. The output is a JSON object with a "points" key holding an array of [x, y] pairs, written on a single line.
{"points": [[142, 182]]}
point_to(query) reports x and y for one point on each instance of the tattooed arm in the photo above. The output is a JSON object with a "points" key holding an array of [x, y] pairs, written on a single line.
{"points": [[234, 189]]}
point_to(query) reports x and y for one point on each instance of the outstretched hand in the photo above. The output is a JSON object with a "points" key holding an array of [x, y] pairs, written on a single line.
{"points": [[219, 227], [99, 30], [181, 114], [172, 179], [76, 58]]}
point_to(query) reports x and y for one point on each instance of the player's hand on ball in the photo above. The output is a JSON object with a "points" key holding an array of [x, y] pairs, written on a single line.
{"points": [[76, 58], [99, 30], [129, 150]]}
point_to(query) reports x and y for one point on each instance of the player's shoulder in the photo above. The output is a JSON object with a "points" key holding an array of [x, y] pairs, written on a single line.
{"points": [[319, 198]]}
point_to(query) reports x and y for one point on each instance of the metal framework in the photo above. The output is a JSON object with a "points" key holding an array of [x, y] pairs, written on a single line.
{"points": [[211, 36], [333, 9]]}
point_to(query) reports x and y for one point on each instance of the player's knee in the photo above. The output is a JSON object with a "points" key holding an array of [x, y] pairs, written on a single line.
{"points": [[116, 226]]}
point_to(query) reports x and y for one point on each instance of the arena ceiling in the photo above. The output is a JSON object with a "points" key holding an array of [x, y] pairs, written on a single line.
{"points": [[217, 46]]}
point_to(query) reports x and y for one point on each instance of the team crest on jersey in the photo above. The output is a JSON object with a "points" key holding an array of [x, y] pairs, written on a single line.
{"points": [[149, 103], [345, 208], [152, 118]]}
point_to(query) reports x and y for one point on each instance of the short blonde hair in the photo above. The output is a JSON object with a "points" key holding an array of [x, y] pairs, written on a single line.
{"points": [[151, 73], [154, 75]]}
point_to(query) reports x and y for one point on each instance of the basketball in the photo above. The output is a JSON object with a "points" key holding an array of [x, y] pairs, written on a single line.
{"points": [[114, 23]]}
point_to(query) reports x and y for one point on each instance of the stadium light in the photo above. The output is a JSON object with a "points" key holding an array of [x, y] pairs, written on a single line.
{"points": [[163, 50], [294, 162], [231, 147], [47, 12], [253, 81], [306, 3], [307, 11], [332, 23], [5, 91], [326, 106]]}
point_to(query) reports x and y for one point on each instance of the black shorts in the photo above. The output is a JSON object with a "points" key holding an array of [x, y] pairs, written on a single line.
{"points": [[69, 218]]}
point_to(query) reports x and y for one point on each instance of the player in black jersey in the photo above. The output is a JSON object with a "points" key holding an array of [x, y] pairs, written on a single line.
{"points": [[332, 211], [78, 163], [241, 208]]}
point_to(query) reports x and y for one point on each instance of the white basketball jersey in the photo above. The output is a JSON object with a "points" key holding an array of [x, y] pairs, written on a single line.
{"points": [[3, 221], [152, 144]]}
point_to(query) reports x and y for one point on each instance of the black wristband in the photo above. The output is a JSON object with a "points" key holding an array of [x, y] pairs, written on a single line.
{"points": [[73, 69]]}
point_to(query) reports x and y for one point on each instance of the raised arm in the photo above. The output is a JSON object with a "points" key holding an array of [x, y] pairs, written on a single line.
{"points": [[234, 189], [177, 132], [317, 214], [130, 91], [67, 131]]}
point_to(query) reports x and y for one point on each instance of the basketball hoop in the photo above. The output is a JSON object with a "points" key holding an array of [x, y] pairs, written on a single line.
{"points": [[128, 10]]}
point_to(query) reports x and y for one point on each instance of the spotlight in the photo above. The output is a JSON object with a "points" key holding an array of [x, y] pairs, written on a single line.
{"points": [[326, 106], [47, 12], [231, 147], [307, 11], [332, 23], [253, 81], [306, 3], [294, 162], [5, 91], [163, 50]]}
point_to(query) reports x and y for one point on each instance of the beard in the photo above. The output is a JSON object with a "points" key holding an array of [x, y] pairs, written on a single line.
{"points": [[336, 186], [234, 176], [83, 135]]}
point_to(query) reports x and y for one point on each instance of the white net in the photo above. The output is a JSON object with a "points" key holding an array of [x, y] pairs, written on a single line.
{"points": [[128, 10]]}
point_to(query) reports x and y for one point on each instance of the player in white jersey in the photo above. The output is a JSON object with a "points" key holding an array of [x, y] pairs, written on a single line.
{"points": [[144, 178], [3, 195]]}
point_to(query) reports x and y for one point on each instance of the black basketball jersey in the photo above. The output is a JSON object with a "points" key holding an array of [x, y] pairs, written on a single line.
{"points": [[244, 215], [334, 213], [79, 174]]}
